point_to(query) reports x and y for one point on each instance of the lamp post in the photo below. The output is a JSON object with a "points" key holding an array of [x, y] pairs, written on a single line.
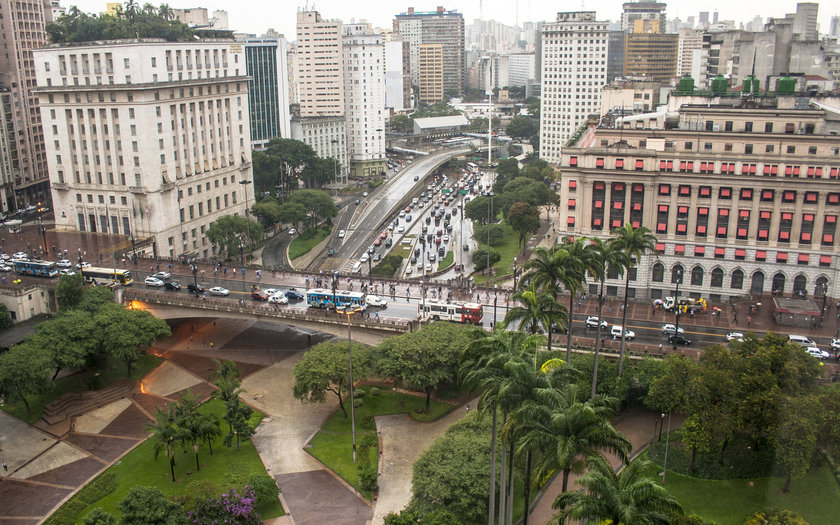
{"points": [[679, 278], [245, 184], [489, 194], [423, 297], [495, 303], [335, 164], [667, 441], [661, 424], [824, 289], [370, 269], [133, 246], [241, 252], [194, 270], [41, 229], [514, 273], [348, 312]]}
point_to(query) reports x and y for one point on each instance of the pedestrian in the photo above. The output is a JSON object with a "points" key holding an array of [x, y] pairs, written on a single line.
{"points": [[224, 271], [243, 272], [5, 467], [749, 320]]}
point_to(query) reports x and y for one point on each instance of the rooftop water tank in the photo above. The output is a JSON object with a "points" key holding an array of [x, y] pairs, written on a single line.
{"points": [[719, 85], [686, 84], [785, 85]]}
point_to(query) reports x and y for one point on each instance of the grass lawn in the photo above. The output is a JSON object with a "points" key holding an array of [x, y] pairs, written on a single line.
{"points": [[333, 444], [112, 371], [507, 250], [308, 240], [402, 249], [226, 467], [447, 260]]}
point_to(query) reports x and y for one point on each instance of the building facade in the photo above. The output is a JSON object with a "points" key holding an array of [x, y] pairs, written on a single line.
{"points": [[22, 31], [149, 139], [9, 160], [689, 53], [430, 67], [319, 57], [651, 55], [268, 89], [397, 77], [574, 68], [643, 11], [742, 195], [364, 89], [435, 27], [328, 137]]}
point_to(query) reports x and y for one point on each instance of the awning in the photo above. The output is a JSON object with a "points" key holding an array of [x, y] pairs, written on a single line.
{"points": [[572, 203], [699, 251], [720, 251], [744, 214], [787, 216], [760, 255], [739, 252], [663, 208], [742, 232], [825, 259], [572, 184], [571, 221], [573, 161], [679, 249], [723, 212], [803, 258], [660, 247], [831, 219], [765, 215], [781, 257]]}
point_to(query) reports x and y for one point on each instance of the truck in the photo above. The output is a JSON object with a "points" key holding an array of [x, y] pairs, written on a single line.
{"points": [[684, 304]]}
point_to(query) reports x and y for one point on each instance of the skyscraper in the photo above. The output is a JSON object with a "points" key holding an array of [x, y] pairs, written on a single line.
{"points": [[644, 11], [430, 66], [268, 89], [435, 27], [318, 59], [805, 20], [574, 67], [651, 55], [22, 32]]}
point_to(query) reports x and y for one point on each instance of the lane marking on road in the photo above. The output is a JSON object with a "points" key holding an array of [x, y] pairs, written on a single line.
{"points": [[654, 329]]}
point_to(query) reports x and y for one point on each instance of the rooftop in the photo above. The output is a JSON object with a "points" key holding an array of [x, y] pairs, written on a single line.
{"points": [[441, 122]]}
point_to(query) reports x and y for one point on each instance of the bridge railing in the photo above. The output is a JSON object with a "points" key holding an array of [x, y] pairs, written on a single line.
{"points": [[264, 309]]}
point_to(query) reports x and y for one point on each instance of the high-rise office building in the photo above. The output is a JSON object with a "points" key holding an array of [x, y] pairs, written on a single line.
{"points": [[148, 139], [268, 89], [574, 68], [430, 69], [22, 31], [834, 26], [688, 55], [397, 77], [319, 56], [644, 11], [9, 161], [651, 55], [615, 59], [805, 20], [435, 27], [364, 91]]}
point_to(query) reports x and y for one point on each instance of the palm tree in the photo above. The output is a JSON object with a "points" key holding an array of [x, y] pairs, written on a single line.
{"points": [[629, 498], [604, 256], [166, 434], [574, 259], [207, 428], [224, 370], [543, 271], [568, 430], [635, 242], [537, 313]]}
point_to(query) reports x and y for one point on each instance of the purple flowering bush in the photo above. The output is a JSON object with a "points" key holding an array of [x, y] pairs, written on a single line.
{"points": [[231, 507]]}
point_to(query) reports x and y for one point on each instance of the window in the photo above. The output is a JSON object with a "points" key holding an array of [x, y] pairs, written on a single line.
{"points": [[705, 191], [664, 189], [725, 193], [791, 149], [768, 127], [699, 251], [769, 148], [788, 196], [658, 273], [717, 278], [697, 276], [760, 256], [737, 280], [748, 127], [767, 195], [677, 274], [727, 126], [812, 150], [748, 149], [746, 194]]}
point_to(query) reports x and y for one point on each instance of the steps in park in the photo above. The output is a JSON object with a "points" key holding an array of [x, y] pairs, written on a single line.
{"points": [[76, 403]]}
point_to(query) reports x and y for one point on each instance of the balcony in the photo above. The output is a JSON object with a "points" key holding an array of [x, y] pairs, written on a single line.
{"points": [[59, 185], [137, 189], [167, 186]]}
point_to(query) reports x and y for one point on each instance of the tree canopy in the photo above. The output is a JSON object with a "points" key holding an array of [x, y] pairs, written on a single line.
{"points": [[522, 127], [228, 231], [284, 162], [524, 218], [326, 368], [317, 205], [131, 22]]}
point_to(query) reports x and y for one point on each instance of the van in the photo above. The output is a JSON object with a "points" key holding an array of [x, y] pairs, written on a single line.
{"points": [[357, 268], [615, 332], [802, 340]]}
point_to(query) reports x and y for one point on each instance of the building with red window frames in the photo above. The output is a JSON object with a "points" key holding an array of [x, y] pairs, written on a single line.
{"points": [[743, 194]]}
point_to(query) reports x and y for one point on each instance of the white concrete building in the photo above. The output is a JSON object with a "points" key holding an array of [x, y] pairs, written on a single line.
{"points": [[574, 68], [394, 75], [319, 65], [364, 92], [521, 69], [146, 138], [328, 137]]}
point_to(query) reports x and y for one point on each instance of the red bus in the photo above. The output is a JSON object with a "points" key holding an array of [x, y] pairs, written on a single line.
{"points": [[459, 312]]}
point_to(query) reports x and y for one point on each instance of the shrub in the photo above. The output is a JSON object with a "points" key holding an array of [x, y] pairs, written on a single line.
{"points": [[368, 422], [368, 477], [237, 476], [197, 491], [94, 491], [370, 441], [359, 393], [264, 487], [230, 507], [374, 391], [775, 517], [358, 402], [99, 517]]}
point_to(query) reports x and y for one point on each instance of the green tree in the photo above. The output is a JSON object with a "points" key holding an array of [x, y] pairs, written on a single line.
{"points": [[524, 219], [478, 209], [525, 189], [5, 318], [225, 370], [326, 368], [24, 371], [126, 332], [506, 171], [492, 233], [69, 291], [635, 242], [228, 231], [238, 415], [206, 428], [796, 438], [99, 517], [775, 516], [268, 211], [426, 358], [401, 123], [67, 338], [317, 204], [148, 506], [266, 170], [94, 298], [131, 22], [292, 213], [536, 312], [166, 434], [629, 498], [521, 127], [479, 258], [533, 107]]}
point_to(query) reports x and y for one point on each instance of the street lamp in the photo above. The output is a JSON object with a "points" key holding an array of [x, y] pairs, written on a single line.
{"points": [[679, 278], [194, 269], [823, 287], [349, 312], [667, 441], [514, 273], [245, 184], [133, 246], [370, 269], [489, 194], [495, 303], [42, 229], [423, 297], [241, 251]]}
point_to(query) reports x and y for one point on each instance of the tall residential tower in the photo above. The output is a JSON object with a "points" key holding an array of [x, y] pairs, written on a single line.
{"points": [[435, 27]]}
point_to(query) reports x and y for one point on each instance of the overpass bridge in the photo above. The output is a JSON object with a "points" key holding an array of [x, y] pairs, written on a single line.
{"points": [[179, 306]]}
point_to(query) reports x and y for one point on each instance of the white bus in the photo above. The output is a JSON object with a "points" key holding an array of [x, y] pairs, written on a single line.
{"points": [[459, 312]]}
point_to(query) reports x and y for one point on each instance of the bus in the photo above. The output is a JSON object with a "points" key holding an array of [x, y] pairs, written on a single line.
{"points": [[93, 275], [472, 168], [324, 298], [37, 268], [459, 312]]}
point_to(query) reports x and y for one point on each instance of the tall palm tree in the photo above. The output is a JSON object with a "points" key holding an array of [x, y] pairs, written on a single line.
{"points": [[635, 242], [569, 429], [604, 256], [629, 498], [207, 428], [166, 434], [224, 370], [543, 271], [574, 258], [537, 312]]}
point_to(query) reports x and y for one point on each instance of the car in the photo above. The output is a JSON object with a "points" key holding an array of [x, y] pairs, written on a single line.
{"points": [[457, 267], [19, 255], [163, 276], [330, 252], [371, 250], [6, 268], [388, 242], [402, 213], [278, 298], [259, 295], [364, 258], [172, 285], [431, 256], [293, 294], [421, 204], [153, 281], [802, 340], [669, 329], [375, 300], [401, 229], [615, 331], [835, 344], [64, 263], [376, 257], [82, 265], [218, 290], [357, 202], [195, 288], [735, 336], [679, 339], [416, 178], [341, 234], [390, 227], [446, 238], [813, 351], [409, 269], [383, 235], [292, 231], [593, 322], [63, 271], [408, 218], [365, 194], [377, 242], [466, 247]]}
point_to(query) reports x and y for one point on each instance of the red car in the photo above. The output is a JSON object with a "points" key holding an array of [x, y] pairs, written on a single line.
{"points": [[259, 295], [377, 242], [383, 235]]}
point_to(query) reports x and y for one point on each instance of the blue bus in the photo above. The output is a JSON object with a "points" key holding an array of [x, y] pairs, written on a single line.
{"points": [[324, 298], [37, 268]]}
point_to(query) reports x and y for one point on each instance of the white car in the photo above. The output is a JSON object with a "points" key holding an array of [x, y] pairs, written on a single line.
{"points": [[292, 231], [6, 268], [218, 290], [19, 255], [813, 351], [669, 329], [278, 298], [341, 234], [428, 267], [153, 281], [615, 331], [401, 229], [735, 336], [64, 263], [409, 269], [835, 344], [365, 194], [82, 265], [162, 275], [592, 322], [271, 291], [63, 271], [375, 300], [364, 257]]}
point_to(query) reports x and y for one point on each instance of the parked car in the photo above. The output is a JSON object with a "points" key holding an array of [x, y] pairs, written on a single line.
{"points": [[63, 271], [593, 322], [376, 257], [615, 331], [172, 285], [218, 290], [64, 263], [813, 351], [679, 339], [278, 298], [195, 288], [364, 258], [669, 329], [341, 234], [153, 281], [375, 300]]}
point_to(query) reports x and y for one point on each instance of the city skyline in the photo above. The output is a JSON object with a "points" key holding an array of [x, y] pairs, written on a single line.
{"points": [[281, 17]]}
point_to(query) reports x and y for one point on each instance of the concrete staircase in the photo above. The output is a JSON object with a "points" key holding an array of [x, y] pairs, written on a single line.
{"points": [[76, 403]]}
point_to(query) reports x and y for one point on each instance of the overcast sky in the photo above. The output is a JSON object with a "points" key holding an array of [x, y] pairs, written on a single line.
{"points": [[255, 16]]}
